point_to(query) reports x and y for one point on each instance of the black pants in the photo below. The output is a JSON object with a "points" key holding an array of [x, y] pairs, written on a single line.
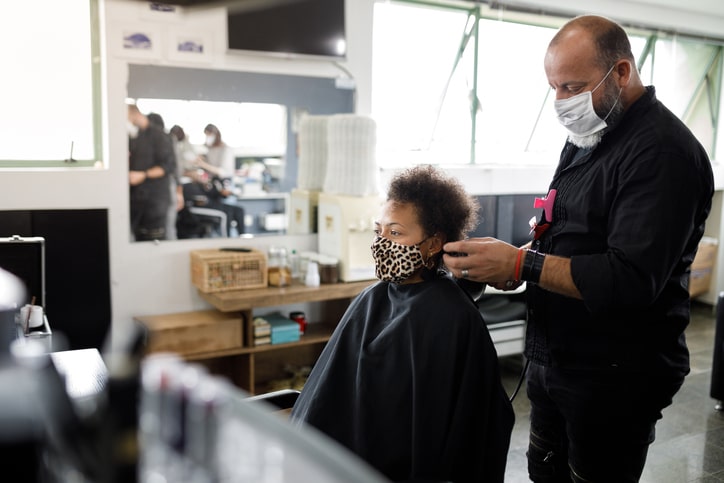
{"points": [[593, 426], [148, 218]]}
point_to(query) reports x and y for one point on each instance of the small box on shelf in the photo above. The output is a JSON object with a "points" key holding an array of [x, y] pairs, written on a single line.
{"points": [[218, 270], [283, 329]]}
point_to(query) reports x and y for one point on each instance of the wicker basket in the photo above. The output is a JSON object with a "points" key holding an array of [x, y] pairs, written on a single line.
{"points": [[218, 270]]}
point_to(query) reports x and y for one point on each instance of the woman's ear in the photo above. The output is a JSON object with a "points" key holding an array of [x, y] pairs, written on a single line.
{"points": [[436, 243]]}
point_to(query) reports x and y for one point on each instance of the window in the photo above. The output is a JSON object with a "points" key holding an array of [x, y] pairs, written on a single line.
{"points": [[414, 50], [460, 85], [687, 74], [51, 84], [516, 117]]}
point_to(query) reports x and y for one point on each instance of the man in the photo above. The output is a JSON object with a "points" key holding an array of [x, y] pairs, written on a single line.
{"points": [[151, 160], [608, 267]]}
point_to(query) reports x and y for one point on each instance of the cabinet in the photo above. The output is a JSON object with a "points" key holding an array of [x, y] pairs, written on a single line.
{"points": [[222, 339], [264, 213]]}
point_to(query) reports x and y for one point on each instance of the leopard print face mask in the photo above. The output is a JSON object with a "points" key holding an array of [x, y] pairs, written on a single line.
{"points": [[395, 262]]}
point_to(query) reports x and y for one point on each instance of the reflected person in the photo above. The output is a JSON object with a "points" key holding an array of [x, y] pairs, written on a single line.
{"points": [[220, 160], [186, 156], [151, 161]]}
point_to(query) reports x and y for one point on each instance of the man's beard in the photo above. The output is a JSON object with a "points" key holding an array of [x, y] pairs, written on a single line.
{"points": [[610, 107]]}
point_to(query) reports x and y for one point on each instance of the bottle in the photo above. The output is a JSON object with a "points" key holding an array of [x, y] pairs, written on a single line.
{"points": [[328, 270], [295, 265], [279, 273], [312, 278], [301, 319]]}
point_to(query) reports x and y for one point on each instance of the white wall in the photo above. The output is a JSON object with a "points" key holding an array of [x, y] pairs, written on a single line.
{"points": [[148, 278], [151, 278]]}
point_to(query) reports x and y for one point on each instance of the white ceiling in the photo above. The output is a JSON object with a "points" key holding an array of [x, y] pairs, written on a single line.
{"points": [[701, 17], [707, 7]]}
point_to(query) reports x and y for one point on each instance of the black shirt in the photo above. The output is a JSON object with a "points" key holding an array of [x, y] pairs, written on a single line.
{"points": [[629, 214], [152, 147]]}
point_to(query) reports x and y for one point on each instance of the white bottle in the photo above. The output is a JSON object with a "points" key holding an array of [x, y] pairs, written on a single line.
{"points": [[295, 265], [312, 278]]}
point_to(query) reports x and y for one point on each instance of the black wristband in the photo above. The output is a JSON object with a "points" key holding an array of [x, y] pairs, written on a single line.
{"points": [[532, 266]]}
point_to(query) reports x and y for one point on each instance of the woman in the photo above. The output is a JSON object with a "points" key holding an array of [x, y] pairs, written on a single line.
{"points": [[409, 380], [211, 191], [220, 161]]}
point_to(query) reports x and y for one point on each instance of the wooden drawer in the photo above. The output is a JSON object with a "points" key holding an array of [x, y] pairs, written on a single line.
{"points": [[190, 333]]}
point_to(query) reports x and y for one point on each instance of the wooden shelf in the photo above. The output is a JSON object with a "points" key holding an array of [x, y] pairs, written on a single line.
{"points": [[221, 339], [318, 333], [238, 300]]}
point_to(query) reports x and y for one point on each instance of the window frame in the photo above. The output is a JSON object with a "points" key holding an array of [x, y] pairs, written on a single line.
{"points": [[95, 113]]}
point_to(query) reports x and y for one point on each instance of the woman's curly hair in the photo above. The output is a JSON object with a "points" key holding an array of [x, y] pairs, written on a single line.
{"points": [[441, 202]]}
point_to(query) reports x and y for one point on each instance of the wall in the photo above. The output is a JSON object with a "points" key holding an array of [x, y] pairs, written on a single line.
{"points": [[152, 278]]}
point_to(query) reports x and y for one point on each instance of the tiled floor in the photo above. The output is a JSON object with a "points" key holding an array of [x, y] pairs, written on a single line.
{"points": [[689, 444]]}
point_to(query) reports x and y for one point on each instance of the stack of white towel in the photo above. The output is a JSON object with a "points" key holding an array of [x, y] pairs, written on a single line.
{"points": [[337, 154], [313, 149]]}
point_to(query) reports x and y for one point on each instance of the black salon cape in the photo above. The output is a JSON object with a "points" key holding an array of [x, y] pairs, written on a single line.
{"points": [[410, 383]]}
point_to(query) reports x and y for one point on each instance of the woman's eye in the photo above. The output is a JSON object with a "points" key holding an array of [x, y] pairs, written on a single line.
{"points": [[376, 231]]}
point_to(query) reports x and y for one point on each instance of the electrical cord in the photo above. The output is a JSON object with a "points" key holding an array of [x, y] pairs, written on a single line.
{"points": [[520, 381]]}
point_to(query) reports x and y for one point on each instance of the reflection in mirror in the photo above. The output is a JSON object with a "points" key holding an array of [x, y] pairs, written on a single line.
{"points": [[261, 127], [246, 201], [254, 132]]}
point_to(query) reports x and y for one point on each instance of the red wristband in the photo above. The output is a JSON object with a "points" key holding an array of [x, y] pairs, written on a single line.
{"points": [[517, 263]]}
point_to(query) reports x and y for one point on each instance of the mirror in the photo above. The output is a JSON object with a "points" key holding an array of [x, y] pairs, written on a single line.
{"points": [[256, 116], [251, 198]]}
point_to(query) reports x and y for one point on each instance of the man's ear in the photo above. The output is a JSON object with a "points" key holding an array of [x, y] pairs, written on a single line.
{"points": [[623, 69]]}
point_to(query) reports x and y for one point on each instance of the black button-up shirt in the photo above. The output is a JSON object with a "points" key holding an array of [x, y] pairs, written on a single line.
{"points": [[629, 214]]}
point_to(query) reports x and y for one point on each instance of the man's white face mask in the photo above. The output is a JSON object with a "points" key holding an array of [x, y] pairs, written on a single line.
{"points": [[577, 114]]}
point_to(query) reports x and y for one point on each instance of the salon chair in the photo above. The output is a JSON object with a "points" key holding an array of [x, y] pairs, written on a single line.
{"points": [[505, 315], [717, 367], [500, 308], [503, 312], [200, 218], [212, 222]]}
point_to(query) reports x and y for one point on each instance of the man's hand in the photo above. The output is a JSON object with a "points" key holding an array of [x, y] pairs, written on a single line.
{"points": [[486, 260], [136, 177]]}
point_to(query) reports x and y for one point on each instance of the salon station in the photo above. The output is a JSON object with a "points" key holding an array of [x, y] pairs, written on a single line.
{"points": [[321, 102]]}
